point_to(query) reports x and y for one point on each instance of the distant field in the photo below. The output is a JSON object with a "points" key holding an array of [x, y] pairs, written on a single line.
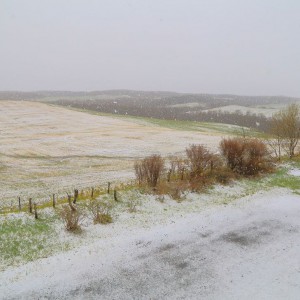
{"points": [[47, 149], [199, 107], [267, 110]]}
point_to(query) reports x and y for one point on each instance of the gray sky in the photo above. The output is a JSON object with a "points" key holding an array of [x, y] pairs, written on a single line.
{"points": [[211, 46]]}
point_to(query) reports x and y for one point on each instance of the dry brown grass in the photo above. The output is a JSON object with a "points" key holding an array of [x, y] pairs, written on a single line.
{"points": [[223, 175], [100, 211], [175, 189]]}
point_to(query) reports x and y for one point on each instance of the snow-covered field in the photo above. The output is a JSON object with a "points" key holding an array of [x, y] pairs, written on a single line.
{"points": [[267, 111], [247, 249], [46, 149], [239, 241]]}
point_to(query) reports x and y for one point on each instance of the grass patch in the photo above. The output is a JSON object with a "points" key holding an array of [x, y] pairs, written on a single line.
{"points": [[284, 180], [280, 178], [291, 182], [24, 240]]}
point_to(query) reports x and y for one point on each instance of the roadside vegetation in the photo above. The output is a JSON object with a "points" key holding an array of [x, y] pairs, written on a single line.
{"points": [[200, 168]]}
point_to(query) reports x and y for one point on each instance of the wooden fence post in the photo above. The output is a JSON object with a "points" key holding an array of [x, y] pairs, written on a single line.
{"points": [[169, 175], [115, 195], [53, 200], [35, 211], [75, 195], [30, 205]]}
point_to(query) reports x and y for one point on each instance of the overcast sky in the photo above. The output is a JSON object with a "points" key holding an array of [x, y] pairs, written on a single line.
{"points": [[232, 46]]}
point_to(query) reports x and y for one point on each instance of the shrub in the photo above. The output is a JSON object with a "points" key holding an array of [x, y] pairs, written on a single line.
{"points": [[176, 193], [178, 167], [149, 170], [132, 204], [232, 150], [175, 189], [245, 156], [223, 175], [200, 159], [71, 218], [100, 211]]}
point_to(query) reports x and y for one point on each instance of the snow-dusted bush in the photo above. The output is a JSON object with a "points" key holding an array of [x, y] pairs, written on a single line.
{"points": [[71, 217], [245, 156], [100, 210]]}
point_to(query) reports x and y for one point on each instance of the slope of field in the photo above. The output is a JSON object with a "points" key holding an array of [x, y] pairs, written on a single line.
{"points": [[46, 149]]}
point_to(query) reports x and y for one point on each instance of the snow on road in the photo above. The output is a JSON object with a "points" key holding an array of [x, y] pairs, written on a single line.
{"points": [[246, 250]]}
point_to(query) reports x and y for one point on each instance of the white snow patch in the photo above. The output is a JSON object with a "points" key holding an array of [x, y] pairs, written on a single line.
{"points": [[294, 172]]}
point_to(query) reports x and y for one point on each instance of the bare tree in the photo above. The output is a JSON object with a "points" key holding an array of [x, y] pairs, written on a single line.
{"points": [[285, 127], [275, 144]]}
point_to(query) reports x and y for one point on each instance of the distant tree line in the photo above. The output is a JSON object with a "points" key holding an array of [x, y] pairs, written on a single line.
{"points": [[162, 110], [160, 104]]}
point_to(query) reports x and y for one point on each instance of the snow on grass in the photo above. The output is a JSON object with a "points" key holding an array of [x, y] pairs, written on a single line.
{"points": [[24, 239], [294, 172], [285, 177], [149, 210]]}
